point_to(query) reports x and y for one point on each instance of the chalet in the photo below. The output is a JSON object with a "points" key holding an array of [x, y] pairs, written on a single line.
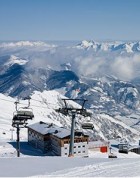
{"points": [[49, 137]]}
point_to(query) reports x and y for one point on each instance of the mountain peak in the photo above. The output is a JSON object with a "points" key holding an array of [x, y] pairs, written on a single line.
{"points": [[66, 66], [16, 60], [87, 44], [128, 47]]}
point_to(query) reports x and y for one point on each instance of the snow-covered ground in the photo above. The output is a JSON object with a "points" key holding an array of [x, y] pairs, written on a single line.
{"points": [[65, 167], [33, 163]]}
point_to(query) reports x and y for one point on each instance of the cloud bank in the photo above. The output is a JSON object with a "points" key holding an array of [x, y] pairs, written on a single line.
{"points": [[123, 67], [83, 62]]}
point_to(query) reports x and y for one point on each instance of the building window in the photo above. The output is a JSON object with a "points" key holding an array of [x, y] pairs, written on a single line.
{"points": [[74, 146], [83, 145], [79, 151], [83, 151], [65, 153], [74, 152], [79, 146], [65, 147]]}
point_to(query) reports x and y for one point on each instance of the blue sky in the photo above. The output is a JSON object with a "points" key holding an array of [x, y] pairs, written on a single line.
{"points": [[69, 19]]}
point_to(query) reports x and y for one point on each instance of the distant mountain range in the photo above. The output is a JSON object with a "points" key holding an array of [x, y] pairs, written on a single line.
{"points": [[103, 46], [89, 70], [128, 47]]}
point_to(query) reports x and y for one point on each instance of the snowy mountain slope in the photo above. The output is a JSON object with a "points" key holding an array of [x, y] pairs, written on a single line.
{"points": [[15, 60], [105, 94], [44, 105], [17, 80]]}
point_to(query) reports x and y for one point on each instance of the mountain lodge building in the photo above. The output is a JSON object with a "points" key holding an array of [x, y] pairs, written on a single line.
{"points": [[51, 138]]}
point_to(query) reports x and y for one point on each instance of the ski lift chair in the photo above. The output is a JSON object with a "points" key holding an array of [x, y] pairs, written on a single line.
{"points": [[88, 125], [23, 114], [19, 123]]}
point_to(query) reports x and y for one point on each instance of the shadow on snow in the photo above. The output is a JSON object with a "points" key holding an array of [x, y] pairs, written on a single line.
{"points": [[27, 149]]}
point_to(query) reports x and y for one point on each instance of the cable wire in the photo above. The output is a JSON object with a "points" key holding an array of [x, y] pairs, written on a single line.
{"points": [[26, 104], [33, 104], [6, 100]]}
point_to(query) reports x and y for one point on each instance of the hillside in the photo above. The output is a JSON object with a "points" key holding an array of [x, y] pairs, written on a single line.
{"points": [[104, 73], [44, 105]]}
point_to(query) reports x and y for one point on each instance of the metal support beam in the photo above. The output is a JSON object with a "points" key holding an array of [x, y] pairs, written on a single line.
{"points": [[71, 147], [18, 142], [72, 112]]}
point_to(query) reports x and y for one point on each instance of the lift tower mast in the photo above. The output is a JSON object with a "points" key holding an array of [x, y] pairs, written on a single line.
{"points": [[72, 112]]}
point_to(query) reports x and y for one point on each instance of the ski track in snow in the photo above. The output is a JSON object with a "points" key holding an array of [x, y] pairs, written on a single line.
{"points": [[120, 168]]}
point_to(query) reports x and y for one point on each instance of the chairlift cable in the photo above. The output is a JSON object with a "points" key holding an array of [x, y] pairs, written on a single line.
{"points": [[26, 104], [42, 101], [33, 104], [6, 100]]}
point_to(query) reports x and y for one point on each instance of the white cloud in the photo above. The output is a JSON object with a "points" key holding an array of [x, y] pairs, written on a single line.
{"points": [[86, 62], [123, 67], [126, 68], [89, 65]]}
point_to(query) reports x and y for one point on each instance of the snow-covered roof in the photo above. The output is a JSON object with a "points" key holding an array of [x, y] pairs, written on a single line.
{"points": [[49, 128], [62, 133]]}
